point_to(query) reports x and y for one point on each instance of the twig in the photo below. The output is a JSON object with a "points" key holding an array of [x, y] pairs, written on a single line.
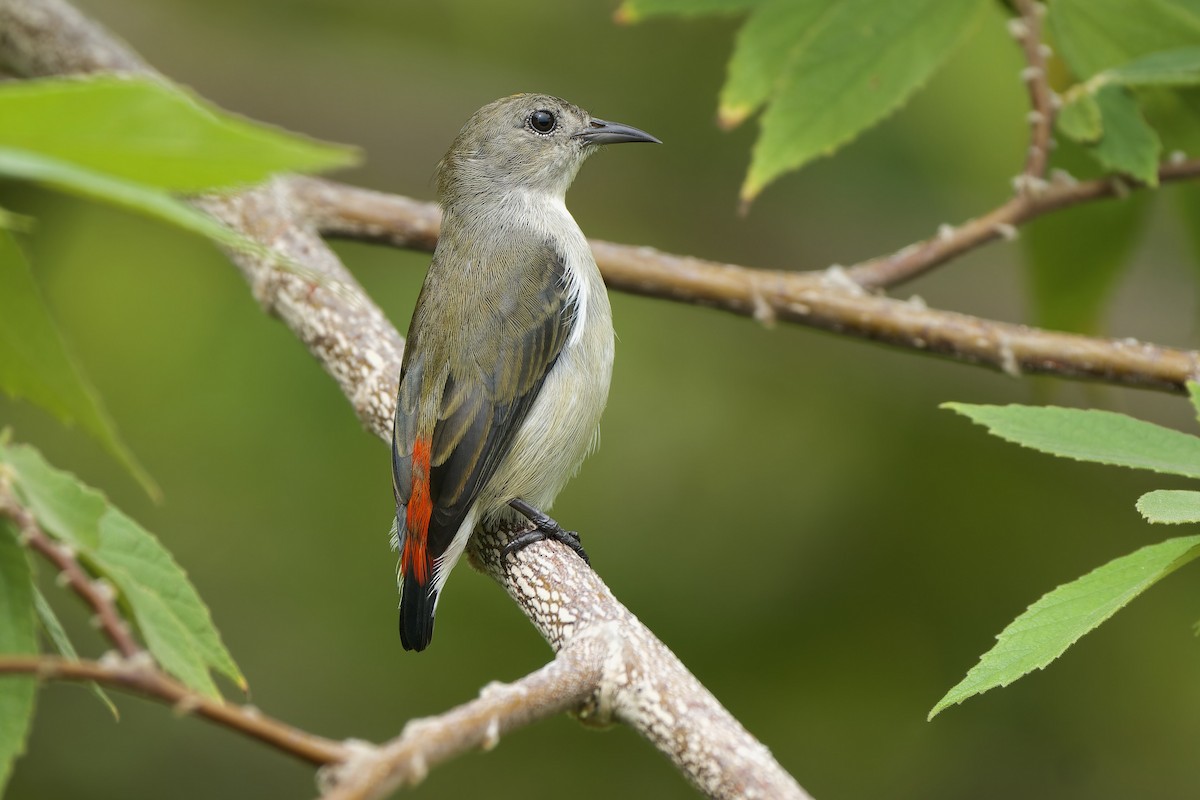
{"points": [[1028, 32], [99, 595], [139, 676]]}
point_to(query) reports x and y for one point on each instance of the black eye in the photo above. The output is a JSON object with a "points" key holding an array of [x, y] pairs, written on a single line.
{"points": [[542, 121]]}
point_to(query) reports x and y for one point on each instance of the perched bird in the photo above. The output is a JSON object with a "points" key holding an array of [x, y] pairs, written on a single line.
{"points": [[509, 353]]}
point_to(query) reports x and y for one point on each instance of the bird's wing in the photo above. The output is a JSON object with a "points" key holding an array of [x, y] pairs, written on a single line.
{"points": [[438, 474]]}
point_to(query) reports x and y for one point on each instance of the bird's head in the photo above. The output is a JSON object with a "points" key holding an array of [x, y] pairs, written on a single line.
{"points": [[526, 142]]}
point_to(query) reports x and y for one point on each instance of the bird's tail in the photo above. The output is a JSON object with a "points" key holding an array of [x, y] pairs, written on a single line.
{"points": [[417, 605]]}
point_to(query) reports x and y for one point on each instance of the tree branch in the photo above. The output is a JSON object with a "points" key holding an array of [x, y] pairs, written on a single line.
{"points": [[140, 676], [99, 595], [633, 678], [829, 300]]}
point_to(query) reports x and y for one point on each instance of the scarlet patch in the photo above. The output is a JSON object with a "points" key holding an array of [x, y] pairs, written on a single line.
{"points": [[414, 560]]}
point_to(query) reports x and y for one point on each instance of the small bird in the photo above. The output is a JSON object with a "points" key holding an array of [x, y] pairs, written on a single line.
{"points": [[509, 353]]}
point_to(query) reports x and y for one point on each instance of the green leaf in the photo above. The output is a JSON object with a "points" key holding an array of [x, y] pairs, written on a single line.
{"points": [[1129, 144], [62, 506], [1079, 119], [18, 636], [58, 638], [1060, 618], [152, 202], [636, 10], [775, 34], [859, 61], [35, 364], [1075, 256], [1193, 389], [1090, 435], [1179, 67], [150, 132], [1093, 35], [170, 615], [1170, 506], [16, 222]]}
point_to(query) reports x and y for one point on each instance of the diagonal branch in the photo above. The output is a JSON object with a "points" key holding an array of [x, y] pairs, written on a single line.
{"points": [[138, 675], [637, 680], [99, 595]]}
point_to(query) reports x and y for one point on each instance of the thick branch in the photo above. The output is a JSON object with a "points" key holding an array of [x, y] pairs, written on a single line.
{"points": [[633, 677], [139, 676]]}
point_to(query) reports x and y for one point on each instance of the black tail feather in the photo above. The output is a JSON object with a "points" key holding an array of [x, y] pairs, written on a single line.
{"points": [[416, 614]]}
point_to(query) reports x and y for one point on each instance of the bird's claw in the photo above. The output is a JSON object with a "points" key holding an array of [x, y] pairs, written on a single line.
{"points": [[546, 528]]}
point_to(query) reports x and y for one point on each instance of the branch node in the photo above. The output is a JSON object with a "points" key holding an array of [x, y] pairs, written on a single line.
{"points": [[945, 232], [1008, 358], [1007, 231], [186, 704], [491, 736], [836, 276], [1032, 73], [1177, 157]]}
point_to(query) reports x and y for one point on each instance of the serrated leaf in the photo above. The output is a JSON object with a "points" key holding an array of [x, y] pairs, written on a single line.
{"points": [[636, 10], [35, 364], [1102, 437], [1075, 256], [1093, 35], [150, 132], [862, 61], [1170, 506], [170, 615], [1180, 67], [147, 200], [1060, 618], [18, 636], [771, 38], [62, 506], [1079, 119], [1128, 144], [62, 643]]}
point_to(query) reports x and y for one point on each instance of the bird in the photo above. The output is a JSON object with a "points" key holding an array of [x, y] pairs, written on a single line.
{"points": [[509, 353]]}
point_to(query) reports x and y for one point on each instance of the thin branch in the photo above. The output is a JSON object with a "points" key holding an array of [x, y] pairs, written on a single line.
{"points": [[139, 676], [1027, 30], [827, 300], [99, 595]]}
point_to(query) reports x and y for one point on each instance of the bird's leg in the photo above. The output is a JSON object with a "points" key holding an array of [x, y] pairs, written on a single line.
{"points": [[546, 528]]}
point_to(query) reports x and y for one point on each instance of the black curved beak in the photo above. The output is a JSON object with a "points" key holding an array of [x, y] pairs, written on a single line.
{"points": [[604, 132]]}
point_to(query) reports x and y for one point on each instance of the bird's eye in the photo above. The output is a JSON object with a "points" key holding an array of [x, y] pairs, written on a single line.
{"points": [[542, 121]]}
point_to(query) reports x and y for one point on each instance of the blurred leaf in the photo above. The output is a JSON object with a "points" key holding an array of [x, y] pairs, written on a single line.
{"points": [[35, 364], [1165, 68], [1187, 200], [1104, 437], [150, 132], [860, 60], [172, 619], [1079, 118], [15, 222], [1193, 389], [1060, 618], [1170, 506], [62, 644], [635, 10], [1093, 35], [1128, 143], [17, 637], [155, 203], [1075, 256]]}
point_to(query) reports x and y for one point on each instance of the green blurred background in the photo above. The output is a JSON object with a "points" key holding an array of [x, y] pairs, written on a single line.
{"points": [[788, 510]]}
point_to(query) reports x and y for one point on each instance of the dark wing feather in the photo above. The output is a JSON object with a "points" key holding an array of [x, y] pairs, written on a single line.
{"points": [[484, 401]]}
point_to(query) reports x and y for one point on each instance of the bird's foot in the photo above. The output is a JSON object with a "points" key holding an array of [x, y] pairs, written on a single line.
{"points": [[546, 528]]}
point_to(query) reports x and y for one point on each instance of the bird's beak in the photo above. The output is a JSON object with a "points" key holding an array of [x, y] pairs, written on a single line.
{"points": [[604, 132]]}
